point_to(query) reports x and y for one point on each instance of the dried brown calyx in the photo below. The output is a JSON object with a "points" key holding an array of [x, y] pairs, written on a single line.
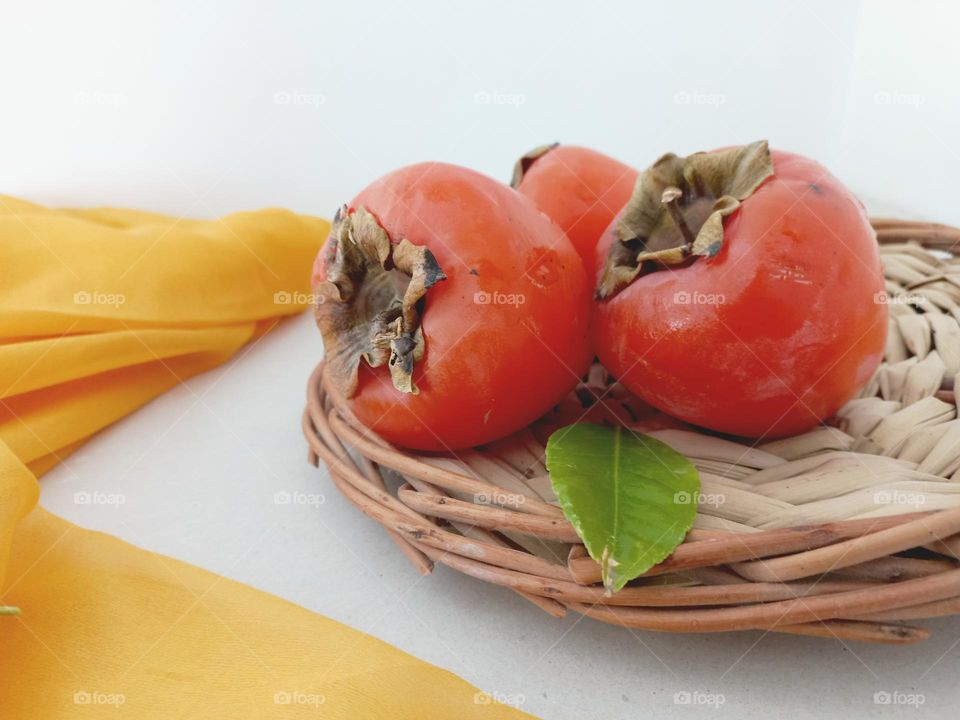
{"points": [[677, 208], [369, 306], [523, 164]]}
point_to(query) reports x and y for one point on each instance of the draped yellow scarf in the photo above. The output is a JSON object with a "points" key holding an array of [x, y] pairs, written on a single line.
{"points": [[101, 311]]}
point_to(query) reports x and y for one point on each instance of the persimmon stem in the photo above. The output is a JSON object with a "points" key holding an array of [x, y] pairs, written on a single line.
{"points": [[368, 307], [653, 232], [669, 198]]}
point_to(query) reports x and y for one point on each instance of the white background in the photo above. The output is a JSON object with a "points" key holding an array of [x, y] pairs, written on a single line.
{"points": [[200, 109]]}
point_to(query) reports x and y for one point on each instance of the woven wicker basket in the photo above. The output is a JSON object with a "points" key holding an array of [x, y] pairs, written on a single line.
{"points": [[846, 531]]}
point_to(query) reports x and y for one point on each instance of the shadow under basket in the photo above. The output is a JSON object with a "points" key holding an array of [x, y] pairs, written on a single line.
{"points": [[849, 531]]}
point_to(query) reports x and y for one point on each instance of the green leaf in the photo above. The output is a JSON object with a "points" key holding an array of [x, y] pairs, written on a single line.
{"points": [[630, 497], [9, 610]]}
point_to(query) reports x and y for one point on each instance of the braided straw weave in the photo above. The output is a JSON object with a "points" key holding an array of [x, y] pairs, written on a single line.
{"points": [[846, 531]]}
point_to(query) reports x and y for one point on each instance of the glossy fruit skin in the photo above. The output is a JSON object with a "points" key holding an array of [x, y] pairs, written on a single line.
{"points": [[773, 334], [507, 333], [581, 190]]}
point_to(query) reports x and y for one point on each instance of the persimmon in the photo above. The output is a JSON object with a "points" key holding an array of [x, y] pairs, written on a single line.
{"points": [[580, 189], [453, 312], [741, 291]]}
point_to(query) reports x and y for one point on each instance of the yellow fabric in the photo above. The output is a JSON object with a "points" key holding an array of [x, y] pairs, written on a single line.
{"points": [[101, 311]]}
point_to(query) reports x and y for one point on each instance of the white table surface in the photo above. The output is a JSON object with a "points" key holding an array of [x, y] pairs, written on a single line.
{"points": [[198, 469]]}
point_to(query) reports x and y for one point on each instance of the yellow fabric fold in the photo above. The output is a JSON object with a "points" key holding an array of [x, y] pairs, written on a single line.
{"points": [[101, 311]]}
